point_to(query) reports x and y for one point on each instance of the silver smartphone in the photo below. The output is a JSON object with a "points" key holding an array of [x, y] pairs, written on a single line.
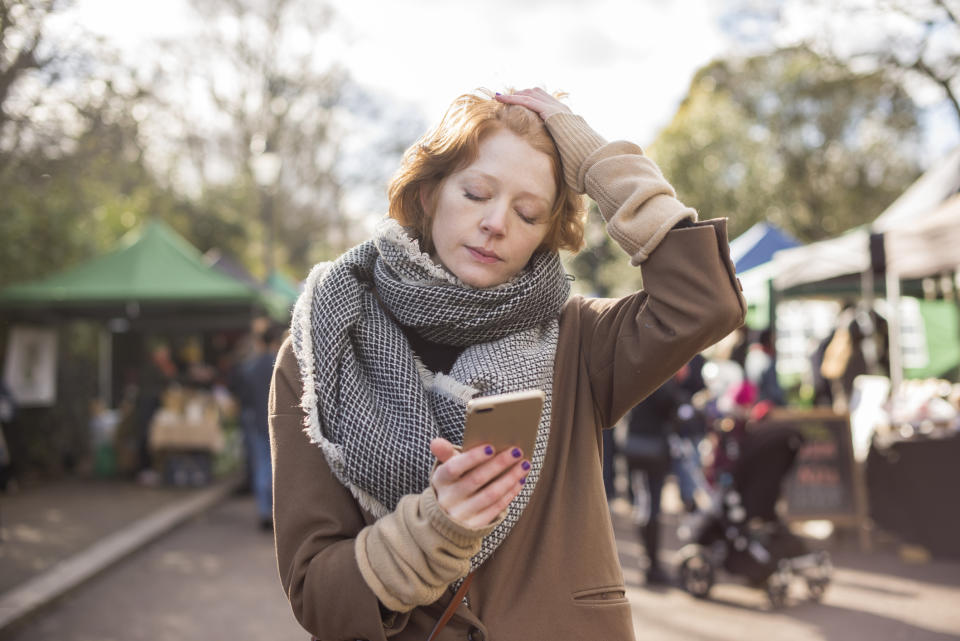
{"points": [[504, 421]]}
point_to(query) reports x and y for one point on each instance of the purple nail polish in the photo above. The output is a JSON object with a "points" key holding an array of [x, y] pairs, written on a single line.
{"points": [[523, 480], [488, 450], [516, 452], [525, 465], [499, 94]]}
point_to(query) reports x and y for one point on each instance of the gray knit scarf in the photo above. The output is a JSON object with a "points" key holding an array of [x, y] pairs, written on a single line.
{"points": [[370, 403]]}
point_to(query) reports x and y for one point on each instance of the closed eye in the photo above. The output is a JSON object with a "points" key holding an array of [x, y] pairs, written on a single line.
{"points": [[525, 218], [473, 197]]}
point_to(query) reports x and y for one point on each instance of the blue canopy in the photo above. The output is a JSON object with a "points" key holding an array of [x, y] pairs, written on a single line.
{"points": [[757, 245]]}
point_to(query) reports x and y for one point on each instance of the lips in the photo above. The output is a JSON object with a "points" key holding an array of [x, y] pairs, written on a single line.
{"points": [[483, 255]]}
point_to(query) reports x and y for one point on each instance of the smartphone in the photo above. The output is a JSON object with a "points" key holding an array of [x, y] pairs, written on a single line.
{"points": [[504, 421]]}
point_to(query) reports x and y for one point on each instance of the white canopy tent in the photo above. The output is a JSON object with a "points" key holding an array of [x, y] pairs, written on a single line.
{"points": [[921, 237], [823, 260], [931, 246], [849, 254]]}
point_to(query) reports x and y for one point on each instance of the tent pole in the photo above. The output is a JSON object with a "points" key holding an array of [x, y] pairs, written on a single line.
{"points": [[893, 322], [867, 296], [106, 367], [772, 300]]}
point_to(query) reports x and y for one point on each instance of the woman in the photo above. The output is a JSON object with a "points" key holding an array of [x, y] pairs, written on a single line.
{"points": [[461, 293]]}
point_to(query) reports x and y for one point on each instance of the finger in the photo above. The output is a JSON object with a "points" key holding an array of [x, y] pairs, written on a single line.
{"points": [[489, 515], [485, 505], [442, 449], [516, 98], [456, 466], [537, 100], [478, 477]]}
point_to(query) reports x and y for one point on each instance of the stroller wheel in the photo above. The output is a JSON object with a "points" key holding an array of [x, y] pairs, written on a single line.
{"points": [[819, 578], [816, 588], [777, 595], [777, 585], [696, 572]]}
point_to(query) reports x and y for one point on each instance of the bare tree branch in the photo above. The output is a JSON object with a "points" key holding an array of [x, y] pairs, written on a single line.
{"points": [[948, 10]]}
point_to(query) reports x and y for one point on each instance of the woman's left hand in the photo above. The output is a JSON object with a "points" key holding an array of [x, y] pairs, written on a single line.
{"points": [[535, 99]]}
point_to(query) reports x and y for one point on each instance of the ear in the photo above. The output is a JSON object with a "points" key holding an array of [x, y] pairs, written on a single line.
{"points": [[426, 196]]}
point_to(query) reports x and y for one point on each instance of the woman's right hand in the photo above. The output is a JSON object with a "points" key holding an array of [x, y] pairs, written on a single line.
{"points": [[475, 486]]}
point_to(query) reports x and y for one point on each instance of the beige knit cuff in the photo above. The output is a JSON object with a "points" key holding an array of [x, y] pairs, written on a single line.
{"points": [[640, 235], [410, 556], [576, 141]]}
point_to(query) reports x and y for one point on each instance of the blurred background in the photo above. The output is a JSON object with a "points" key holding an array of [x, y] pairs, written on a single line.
{"points": [[170, 171]]}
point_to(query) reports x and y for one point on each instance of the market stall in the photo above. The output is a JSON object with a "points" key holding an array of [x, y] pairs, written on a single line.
{"points": [[153, 290], [912, 469]]}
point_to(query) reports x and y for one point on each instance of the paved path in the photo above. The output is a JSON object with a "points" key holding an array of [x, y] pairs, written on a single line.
{"points": [[215, 578], [874, 597], [50, 523]]}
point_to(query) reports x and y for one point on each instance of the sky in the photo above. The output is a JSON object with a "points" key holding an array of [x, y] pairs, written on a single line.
{"points": [[626, 64]]}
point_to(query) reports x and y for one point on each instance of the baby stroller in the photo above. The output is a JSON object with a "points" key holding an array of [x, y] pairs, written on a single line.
{"points": [[741, 532]]}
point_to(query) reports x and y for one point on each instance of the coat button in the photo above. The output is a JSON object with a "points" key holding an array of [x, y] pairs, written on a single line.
{"points": [[475, 634]]}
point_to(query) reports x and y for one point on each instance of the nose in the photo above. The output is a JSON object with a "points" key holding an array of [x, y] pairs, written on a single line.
{"points": [[494, 221]]}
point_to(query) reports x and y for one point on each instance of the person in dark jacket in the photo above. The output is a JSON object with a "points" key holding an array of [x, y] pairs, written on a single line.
{"points": [[648, 458], [255, 374]]}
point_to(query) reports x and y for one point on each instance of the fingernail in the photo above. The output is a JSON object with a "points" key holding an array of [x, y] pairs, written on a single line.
{"points": [[516, 452], [523, 480], [525, 465], [499, 94], [488, 450]]}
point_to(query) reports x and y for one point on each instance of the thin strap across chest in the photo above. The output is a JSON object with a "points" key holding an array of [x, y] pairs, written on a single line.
{"points": [[452, 607]]}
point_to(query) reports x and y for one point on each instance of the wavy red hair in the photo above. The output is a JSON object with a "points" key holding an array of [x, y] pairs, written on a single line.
{"points": [[454, 143]]}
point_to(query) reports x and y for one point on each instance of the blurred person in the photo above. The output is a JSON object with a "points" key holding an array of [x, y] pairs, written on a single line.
{"points": [[760, 368], [647, 450], [244, 349], [8, 410], [822, 389], [740, 346], [844, 358], [256, 373], [383, 526], [157, 374], [689, 429]]}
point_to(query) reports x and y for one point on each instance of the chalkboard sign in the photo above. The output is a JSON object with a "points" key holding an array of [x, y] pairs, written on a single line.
{"points": [[824, 482]]}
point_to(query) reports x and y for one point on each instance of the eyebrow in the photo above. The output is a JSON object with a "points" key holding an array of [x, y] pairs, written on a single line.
{"points": [[496, 180]]}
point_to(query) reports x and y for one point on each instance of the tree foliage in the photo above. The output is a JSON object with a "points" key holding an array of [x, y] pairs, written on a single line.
{"points": [[916, 41], [602, 268], [793, 139], [91, 145], [24, 54], [73, 172], [260, 87], [61, 208]]}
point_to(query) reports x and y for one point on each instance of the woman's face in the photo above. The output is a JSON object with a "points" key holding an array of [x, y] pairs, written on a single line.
{"points": [[492, 215]]}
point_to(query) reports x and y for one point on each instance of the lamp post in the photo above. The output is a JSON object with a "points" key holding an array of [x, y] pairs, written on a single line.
{"points": [[266, 170]]}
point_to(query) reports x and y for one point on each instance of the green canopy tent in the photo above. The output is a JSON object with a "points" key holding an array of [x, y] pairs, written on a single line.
{"points": [[283, 286], [152, 281], [152, 277]]}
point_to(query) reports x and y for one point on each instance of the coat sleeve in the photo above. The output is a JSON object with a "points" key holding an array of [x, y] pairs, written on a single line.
{"points": [[691, 297], [316, 522]]}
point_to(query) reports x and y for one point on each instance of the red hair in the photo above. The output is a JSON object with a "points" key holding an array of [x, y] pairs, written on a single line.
{"points": [[454, 143]]}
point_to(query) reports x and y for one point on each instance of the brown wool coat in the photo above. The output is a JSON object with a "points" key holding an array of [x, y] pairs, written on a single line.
{"points": [[557, 576]]}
